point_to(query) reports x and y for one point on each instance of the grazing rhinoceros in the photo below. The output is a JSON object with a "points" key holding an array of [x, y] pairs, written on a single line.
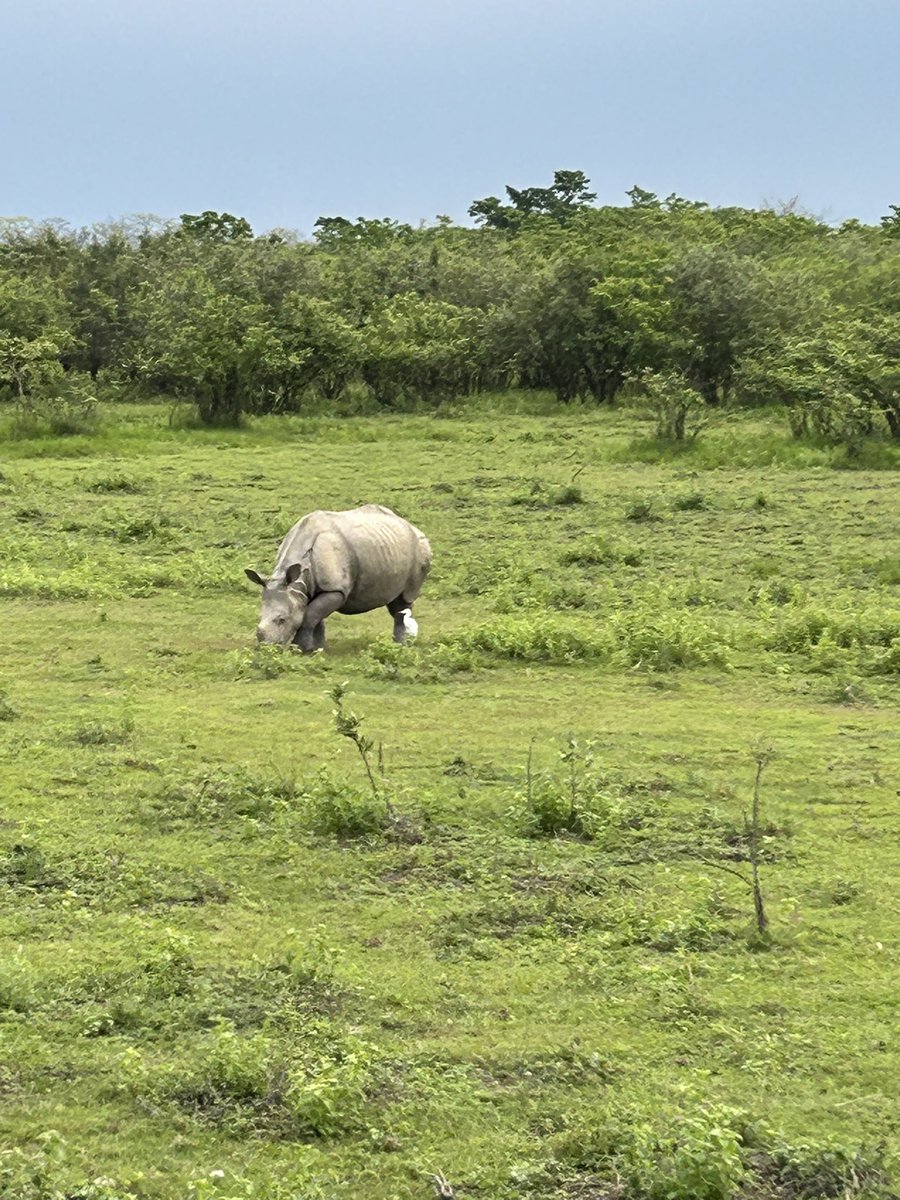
{"points": [[349, 562]]}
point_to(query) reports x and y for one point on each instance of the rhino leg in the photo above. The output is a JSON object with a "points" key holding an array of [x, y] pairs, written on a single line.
{"points": [[313, 626], [405, 624]]}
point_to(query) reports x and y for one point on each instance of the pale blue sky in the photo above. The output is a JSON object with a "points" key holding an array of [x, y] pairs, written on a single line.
{"points": [[282, 112]]}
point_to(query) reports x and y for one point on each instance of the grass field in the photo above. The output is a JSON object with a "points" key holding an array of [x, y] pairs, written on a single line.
{"points": [[230, 969]]}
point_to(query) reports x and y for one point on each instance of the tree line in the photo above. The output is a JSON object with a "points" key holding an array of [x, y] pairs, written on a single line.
{"points": [[547, 290]]}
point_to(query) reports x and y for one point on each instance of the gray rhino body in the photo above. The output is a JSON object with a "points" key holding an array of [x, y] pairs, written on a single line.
{"points": [[349, 562]]}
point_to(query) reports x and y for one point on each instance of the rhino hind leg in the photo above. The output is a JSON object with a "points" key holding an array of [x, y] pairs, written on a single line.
{"points": [[319, 636], [405, 624]]}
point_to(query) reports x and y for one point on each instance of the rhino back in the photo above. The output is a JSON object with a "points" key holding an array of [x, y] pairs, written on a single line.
{"points": [[384, 550], [370, 554]]}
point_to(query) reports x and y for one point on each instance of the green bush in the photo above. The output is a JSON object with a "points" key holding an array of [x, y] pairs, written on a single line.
{"points": [[224, 793], [533, 640], [600, 553], [690, 502], [334, 809], [103, 733], [664, 640], [710, 1153], [385, 659], [311, 1081], [867, 640], [62, 406], [696, 1157]]}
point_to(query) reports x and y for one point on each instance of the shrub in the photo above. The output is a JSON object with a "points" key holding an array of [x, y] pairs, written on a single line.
{"points": [[600, 553], [538, 640], [334, 809], [696, 1157], [662, 641], [67, 405], [25, 865], [574, 799], [385, 659], [312, 1082], [675, 406], [571, 494], [689, 502], [868, 640], [113, 484], [810, 1171], [168, 968], [540, 496], [224, 793], [272, 662], [103, 733], [17, 984], [640, 511]]}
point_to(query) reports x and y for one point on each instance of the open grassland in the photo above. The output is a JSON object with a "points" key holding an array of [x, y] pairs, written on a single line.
{"points": [[229, 969]]}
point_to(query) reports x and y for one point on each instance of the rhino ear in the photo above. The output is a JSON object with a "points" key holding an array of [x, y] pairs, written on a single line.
{"points": [[254, 577], [293, 573]]}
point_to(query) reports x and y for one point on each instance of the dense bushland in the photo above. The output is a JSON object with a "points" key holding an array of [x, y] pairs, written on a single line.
{"points": [[697, 306]]}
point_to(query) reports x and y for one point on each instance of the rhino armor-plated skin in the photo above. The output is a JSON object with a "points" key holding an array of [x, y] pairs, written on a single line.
{"points": [[349, 562]]}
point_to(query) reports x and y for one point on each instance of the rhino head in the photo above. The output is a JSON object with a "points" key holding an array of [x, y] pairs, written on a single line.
{"points": [[284, 599]]}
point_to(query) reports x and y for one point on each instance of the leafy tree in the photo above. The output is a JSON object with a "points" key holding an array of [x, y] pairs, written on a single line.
{"points": [[834, 382], [673, 403], [317, 349], [206, 343], [210, 226], [566, 195], [33, 333], [415, 348], [719, 309], [891, 223]]}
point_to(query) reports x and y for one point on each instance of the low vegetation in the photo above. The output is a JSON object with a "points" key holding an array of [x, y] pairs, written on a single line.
{"points": [[587, 893]]}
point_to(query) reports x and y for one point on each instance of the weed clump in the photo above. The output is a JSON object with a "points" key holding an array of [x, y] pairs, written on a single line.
{"points": [[25, 865], [115, 484], [539, 495], [311, 1081], [335, 809], [7, 711], [866, 641], [641, 512], [664, 641], [223, 793], [394, 823], [385, 659], [103, 733], [273, 662], [600, 553], [710, 1153], [543, 640], [690, 502], [569, 801]]}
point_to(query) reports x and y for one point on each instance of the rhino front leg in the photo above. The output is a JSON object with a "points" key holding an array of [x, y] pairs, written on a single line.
{"points": [[311, 634]]}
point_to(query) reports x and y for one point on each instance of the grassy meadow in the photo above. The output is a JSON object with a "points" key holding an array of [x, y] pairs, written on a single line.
{"points": [[524, 961]]}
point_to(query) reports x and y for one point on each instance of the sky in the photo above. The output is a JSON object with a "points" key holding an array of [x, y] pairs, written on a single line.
{"points": [[282, 111]]}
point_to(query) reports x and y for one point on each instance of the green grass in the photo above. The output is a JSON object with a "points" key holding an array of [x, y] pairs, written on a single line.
{"points": [[221, 955]]}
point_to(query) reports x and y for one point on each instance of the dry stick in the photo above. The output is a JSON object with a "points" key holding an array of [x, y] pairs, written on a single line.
{"points": [[528, 775], [763, 757], [348, 725], [762, 921]]}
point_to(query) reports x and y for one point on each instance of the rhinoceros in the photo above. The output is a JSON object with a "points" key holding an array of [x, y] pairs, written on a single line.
{"points": [[348, 562]]}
